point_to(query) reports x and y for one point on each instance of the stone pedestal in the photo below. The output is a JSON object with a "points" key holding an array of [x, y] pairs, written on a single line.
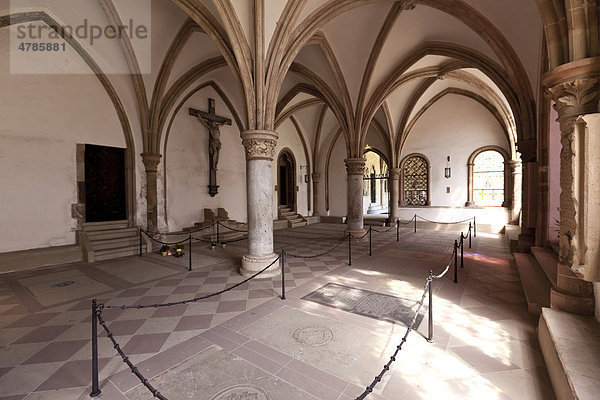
{"points": [[151, 162], [315, 178], [260, 149], [355, 169]]}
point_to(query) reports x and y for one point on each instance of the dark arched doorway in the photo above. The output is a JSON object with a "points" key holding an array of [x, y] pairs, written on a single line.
{"points": [[286, 180]]}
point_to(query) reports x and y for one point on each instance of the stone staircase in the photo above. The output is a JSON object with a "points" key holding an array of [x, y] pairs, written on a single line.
{"points": [[294, 220], [108, 240], [538, 273]]}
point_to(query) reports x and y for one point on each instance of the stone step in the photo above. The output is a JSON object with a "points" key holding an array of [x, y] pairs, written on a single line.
{"points": [[534, 281], [115, 243], [112, 234], [34, 258], [511, 233], [106, 225], [297, 224], [548, 260], [109, 254], [287, 214], [570, 345], [284, 210]]}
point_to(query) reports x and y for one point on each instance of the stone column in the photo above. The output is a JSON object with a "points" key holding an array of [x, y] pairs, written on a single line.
{"points": [[151, 162], [574, 98], [355, 168], [470, 202], [528, 150], [315, 178], [507, 202], [515, 191], [395, 194], [260, 150]]}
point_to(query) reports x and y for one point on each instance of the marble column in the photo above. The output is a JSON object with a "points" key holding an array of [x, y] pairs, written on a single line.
{"points": [[355, 168], [151, 162], [470, 202], [574, 99], [260, 150], [395, 194], [515, 191], [315, 179]]}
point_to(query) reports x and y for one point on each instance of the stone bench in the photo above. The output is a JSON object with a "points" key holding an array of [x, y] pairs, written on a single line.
{"points": [[571, 347]]}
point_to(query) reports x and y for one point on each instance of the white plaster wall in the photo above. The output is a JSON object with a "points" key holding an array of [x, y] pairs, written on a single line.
{"points": [[554, 175], [288, 137], [42, 121], [455, 126], [338, 179], [187, 167]]}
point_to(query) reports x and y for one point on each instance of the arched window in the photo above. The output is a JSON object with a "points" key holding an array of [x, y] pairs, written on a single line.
{"points": [[488, 179], [416, 181]]}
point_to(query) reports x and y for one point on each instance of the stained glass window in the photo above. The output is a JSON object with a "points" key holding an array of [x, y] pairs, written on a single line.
{"points": [[416, 181], [488, 179]]}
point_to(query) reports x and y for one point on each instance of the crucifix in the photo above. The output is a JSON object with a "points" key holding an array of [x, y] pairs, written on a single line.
{"points": [[212, 122]]}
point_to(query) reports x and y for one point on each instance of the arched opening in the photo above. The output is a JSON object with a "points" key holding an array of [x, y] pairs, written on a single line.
{"points": [[490, 183], [286, 180], [375, 188], [415, 178]]}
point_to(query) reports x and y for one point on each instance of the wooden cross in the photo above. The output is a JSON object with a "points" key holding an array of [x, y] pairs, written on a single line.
{"points": [[210, 115]]}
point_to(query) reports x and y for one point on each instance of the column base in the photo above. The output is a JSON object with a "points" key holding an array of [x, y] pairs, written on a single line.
{"points": [[572, 303], [357, 234], [470, 204], [252, 264]]}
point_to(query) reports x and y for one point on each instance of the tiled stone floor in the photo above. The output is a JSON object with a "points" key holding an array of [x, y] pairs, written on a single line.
{"points": [[485, 342]]}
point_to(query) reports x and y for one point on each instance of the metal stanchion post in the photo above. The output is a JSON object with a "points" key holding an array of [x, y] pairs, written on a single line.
{"points": [[349, 249], [218, 239], [430, 325], [282, 274], [415, 223], [475, 226], [462, 251], [370, 244], [190, 250], [470, 234], [95, 386], [140, 242], [455, 261], [397, 230]]}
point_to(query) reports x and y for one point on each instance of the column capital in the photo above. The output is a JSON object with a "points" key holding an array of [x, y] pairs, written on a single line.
{"points": [[355, 166], [574, 87], [395, 173], [259, 144], [151, 161]]}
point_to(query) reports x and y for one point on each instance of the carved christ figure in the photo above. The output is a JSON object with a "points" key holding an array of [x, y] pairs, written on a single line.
{"points": [[214, 140]]}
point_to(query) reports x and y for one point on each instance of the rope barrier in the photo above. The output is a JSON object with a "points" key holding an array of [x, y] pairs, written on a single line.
{"points": [[181, 233], [97, 318], [231, 229], [389, 230], [321, 254], [446, 223], [195, 299], [167, 243], [126, 360], [407, 222], [386, 367]]}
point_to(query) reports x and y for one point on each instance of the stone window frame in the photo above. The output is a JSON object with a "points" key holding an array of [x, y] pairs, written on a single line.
{"points": [[401, 183], [507, 175]]}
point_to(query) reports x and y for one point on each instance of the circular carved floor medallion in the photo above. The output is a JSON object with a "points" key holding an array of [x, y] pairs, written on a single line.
{"points": [[312, 335], [242, 392]]}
